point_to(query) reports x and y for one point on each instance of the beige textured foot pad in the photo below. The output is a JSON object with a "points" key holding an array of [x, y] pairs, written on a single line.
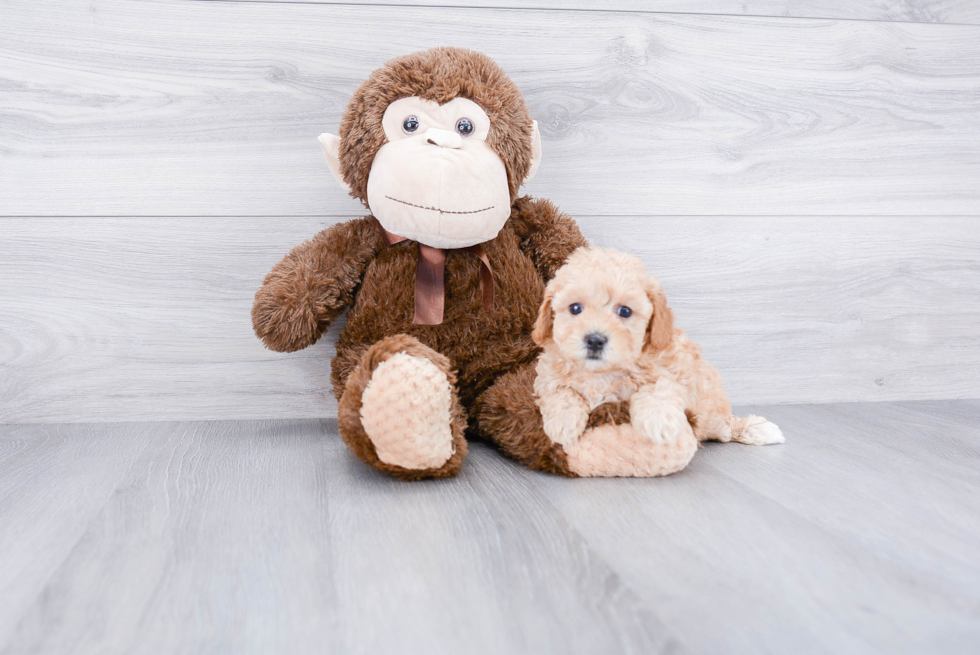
{"points": [[618, 451], [405, 411]]}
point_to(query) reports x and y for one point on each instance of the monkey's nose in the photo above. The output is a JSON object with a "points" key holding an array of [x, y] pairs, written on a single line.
{"points": [[443, 138], [595, 341]]}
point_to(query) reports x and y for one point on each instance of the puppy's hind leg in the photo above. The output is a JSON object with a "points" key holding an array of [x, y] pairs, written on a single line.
{"points": [[712, 417]]}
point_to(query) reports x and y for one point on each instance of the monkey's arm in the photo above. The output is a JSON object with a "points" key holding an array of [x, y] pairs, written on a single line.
{"points": [[314, 284], [547, 235]]}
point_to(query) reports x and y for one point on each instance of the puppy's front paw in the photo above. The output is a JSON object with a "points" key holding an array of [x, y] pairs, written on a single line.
{"points": [[661, 423], [565, 427]]}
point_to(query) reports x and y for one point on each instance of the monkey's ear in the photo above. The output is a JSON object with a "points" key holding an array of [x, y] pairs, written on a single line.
{"points": [[535, 153], [331, 150], [546, 319]]}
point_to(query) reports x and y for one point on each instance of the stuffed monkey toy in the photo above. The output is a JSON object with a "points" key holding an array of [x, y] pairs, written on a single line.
{"points": [[442, 282]]}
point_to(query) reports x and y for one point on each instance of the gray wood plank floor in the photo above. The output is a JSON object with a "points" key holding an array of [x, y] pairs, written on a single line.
{"points": [[860, 534]]}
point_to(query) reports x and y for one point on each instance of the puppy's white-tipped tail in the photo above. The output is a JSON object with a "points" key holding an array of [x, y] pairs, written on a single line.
{"points": [[755, 431]]}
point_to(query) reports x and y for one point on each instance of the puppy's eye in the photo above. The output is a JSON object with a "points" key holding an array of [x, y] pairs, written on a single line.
{"points": [[575, 308], [411, 124], [623, 311], [464, 126]]}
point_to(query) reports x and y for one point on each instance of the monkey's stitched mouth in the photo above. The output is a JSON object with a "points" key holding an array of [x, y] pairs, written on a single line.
{"points": [[436, 209]]}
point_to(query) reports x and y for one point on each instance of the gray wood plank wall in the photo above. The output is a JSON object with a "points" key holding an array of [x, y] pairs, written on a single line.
{"points": [[806, 188], [916, 11], [188, 108]]}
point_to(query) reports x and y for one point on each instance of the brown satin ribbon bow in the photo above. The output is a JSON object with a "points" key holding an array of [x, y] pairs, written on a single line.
{"points": [[430, 280]]}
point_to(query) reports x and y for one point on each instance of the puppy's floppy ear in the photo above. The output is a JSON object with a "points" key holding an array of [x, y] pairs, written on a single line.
{"points": [[546, 319], [660, 332]]}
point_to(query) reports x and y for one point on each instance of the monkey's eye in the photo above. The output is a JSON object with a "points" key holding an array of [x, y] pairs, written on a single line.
{"points": [[623, 311], [575, 308], [464, 126], [410, 125]]}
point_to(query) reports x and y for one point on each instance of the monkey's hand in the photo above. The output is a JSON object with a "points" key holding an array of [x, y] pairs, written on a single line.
{"points": [[657, 413], [313, 285], [565, 415]]}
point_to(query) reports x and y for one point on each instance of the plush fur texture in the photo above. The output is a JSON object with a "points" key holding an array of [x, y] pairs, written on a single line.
{"points": [[619, 451], [351, 399], [486, 357], [349, 265], [637, 410], [313, 285], [605, 297], [453, 195], [482, 344], [507, 415], [439, 75], [406, 411]]}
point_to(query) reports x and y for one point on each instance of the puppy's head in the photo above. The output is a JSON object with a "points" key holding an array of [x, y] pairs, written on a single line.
{"points": [[602, 310]]}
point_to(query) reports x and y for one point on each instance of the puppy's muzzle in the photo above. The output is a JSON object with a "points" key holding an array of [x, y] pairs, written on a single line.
{"points": [[595, 342]]}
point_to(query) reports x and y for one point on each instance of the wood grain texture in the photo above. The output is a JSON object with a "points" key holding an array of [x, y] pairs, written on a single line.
{"points": [[915, 11], [859, 535], [845, 539], [271, 538], [125, 107], [148, 318]]}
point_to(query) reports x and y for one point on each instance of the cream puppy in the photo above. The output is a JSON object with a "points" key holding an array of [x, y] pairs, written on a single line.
{"points": [[608, 335]]}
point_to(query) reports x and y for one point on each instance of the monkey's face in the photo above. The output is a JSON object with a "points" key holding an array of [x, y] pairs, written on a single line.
{"points": [[432, 166], [436, 180]]}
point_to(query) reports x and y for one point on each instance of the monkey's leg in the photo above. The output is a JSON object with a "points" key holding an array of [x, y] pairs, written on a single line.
{"points": [[508, 415], [400, 413]]}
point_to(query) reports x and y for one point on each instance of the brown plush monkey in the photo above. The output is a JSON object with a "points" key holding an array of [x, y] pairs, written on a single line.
{"points": [[442, 282]]}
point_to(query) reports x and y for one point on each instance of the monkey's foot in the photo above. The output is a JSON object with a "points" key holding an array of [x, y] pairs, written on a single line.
{"points": [[406, 412]]}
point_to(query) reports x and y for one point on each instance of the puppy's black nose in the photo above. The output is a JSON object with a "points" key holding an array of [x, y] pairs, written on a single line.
{"points": [[595, 341]]}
